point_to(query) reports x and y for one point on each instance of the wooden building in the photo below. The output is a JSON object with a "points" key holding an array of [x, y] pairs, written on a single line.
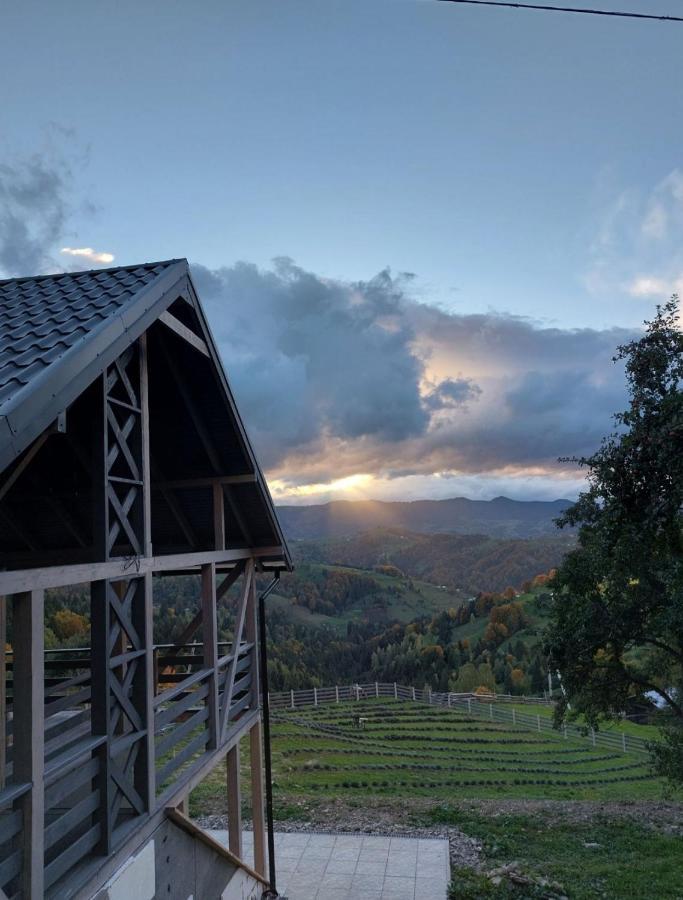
{"points": [[123, 459]]}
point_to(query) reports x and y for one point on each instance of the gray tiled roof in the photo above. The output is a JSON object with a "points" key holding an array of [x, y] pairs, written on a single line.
{"points": [[42, 318]]}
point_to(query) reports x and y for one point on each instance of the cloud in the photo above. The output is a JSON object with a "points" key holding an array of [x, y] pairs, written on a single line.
{"points": [[645, 286], [88, 254], [337, 379], [33, 211], [638, 245], [451, 393]]}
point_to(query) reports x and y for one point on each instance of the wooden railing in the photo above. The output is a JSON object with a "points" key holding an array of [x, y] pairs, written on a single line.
{"points": [[96, 741]]}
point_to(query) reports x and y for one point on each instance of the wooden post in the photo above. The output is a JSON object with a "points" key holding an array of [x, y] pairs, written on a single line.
{"points": [[29, 733], [539, 722], [514, 716], [395, 691], [593, 736], [291, 699], [218, 516], [145, 465], [376, 689], [257, 796], [209, 638], [413, 693], [3, 690], [491, 711], [232, 773], [143, 694], [251, 635], [469, 705], [100, 713], [336, 693], [623, 741]]}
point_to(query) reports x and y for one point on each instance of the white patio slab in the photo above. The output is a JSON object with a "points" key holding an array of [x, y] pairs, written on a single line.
{"points": [[356, 866]]}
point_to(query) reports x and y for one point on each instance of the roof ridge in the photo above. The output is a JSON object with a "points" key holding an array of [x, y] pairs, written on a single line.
{"points": [[146, 265]]}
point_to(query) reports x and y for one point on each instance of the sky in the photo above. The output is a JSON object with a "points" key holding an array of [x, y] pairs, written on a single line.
{"points": [[420, 229]]}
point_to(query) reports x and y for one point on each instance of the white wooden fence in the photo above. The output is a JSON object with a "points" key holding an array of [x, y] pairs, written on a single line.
{"points": [[490, 707]]}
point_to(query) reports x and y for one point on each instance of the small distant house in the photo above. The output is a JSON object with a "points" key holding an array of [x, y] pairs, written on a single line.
{"points": [[124, 460]]}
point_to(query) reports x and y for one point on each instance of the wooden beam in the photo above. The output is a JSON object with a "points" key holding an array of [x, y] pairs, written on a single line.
{"points": [[257, 798], [3, 691], [173, 505], [246, 478], [219, 517], [210, 642], [145, 460], [29, 733], [193, 829], [189, 630], [184, 332], [25, 460], [199, 426], [236, 641], [58, 576], [234, 798]]}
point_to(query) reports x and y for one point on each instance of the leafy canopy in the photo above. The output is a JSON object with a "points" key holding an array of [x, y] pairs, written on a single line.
{"points": [[616, 630]]}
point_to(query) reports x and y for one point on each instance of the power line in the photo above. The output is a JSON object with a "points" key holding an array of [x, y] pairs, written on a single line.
{"points": [[568, 9]]}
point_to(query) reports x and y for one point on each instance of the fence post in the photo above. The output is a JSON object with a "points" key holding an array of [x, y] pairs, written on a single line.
{"points": [[336, 693], [623, 741], [539, 722], [469, 705], [376, 689], [449, 699], [315, 696], [413, 693], [565, 732], [395, 691], [593, 736], [514, 716], [291, 699], [491, 711], [429, 695]]}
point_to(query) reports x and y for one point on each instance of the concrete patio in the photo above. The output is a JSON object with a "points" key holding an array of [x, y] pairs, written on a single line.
{"points": [[357, 867]]}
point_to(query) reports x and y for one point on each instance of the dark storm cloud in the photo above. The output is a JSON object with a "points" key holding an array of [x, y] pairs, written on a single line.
{"points": [[451, 392], [309, 356], [336, 378], [33, 211]]}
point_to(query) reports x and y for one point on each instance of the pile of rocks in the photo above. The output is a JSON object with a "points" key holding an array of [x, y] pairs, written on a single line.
{"points": [[543, 888]]}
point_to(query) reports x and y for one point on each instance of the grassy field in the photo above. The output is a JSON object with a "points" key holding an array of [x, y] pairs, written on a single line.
{"points": [[408, 750], [558, 809]]}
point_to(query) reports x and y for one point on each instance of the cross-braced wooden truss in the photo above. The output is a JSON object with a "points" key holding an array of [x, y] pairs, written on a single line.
{"points": [[123, 455], [122, 659]]}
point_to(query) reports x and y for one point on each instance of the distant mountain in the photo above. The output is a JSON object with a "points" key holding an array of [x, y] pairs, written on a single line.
{"points": [[500, 517]]}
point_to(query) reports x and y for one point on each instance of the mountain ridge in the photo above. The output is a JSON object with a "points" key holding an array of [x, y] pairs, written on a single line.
{"points": [[500, 517]]}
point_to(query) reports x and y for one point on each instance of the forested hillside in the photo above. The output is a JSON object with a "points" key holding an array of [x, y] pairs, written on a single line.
{"points": [[468, 563]]}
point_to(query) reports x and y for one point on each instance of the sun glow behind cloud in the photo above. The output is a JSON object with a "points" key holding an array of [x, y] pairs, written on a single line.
{"points": [[87, 253]]}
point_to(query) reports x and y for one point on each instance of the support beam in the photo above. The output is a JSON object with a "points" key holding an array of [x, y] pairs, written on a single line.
{"points": [[257, 796], [218, 517], [234, 791], [236, 641], [247, 478], [189, 630], [210, 642], [29, 733], [184, 332], [144, 449], [58, 576]]}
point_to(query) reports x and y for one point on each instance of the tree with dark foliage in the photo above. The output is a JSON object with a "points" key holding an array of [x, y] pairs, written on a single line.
{"points": [[616, 633]]}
